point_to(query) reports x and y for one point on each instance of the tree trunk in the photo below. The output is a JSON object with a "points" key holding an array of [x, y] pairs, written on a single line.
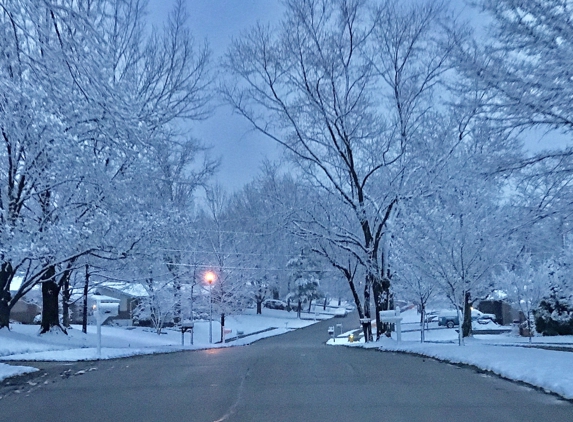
{"points": [[367, 326], [467, 324], [529, 327], [422, 326], [356, 299], [50, 308], [259, 307], [367, 331], [4, 309], [381, 290], [6, 275], [66, 296], [177, 306]]}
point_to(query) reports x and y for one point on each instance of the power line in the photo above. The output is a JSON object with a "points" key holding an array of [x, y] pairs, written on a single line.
{"points": [[234, 232], [224, 253], [225, 267]]}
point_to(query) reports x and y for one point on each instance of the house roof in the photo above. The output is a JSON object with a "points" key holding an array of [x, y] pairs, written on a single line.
{"points": [[128, 289]]}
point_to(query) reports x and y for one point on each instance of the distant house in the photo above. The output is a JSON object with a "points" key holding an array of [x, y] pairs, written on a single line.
{"points": [[26, 309], [130, 296], [24, 312]]}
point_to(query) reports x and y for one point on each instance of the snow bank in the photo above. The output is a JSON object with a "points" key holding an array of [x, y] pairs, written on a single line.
{"points": [[547, 369], [502, 354], [7, 371]]}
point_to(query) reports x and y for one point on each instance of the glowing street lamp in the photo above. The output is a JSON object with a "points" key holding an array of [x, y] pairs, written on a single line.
{"points": [[210, 279]]}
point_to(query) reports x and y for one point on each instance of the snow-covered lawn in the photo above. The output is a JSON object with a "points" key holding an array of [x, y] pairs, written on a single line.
{"points": [[23, 343], [506, 355]]}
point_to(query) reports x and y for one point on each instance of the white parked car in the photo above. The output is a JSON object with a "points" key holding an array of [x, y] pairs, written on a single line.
{"points": [[450, 318], [340, 312]]}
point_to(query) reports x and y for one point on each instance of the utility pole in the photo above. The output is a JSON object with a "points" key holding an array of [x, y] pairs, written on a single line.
{"points": [[85, 315]]}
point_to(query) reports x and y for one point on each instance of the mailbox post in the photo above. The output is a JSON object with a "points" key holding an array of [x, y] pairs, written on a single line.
{"points": [[393, 317], [186, 326], [103, 309], [98, 323], [223, 328]]}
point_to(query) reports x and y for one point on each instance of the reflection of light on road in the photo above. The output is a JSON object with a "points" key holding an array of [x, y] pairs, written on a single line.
{"points": [[213, 351]]}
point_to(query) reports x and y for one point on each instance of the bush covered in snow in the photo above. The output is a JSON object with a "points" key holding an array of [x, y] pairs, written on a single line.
{"points": [[554, 315]]}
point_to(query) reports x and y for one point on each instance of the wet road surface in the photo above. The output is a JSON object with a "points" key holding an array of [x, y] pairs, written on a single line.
{"points": [[293, 377]]}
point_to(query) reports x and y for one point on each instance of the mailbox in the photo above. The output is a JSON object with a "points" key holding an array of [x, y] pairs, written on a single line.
{"points": [[331, 333], [108, 309], [393, 317], [105, 307], [186, 326]]}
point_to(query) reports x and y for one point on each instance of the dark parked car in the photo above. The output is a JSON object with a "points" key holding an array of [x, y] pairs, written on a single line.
{"points": [[275, 304]]}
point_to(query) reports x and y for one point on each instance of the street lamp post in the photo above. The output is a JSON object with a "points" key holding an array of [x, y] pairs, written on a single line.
{"points": [[210, 278]]}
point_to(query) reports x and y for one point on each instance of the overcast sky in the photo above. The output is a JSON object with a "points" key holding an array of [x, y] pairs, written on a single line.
{"points": [[218, 21], [240, 149]]}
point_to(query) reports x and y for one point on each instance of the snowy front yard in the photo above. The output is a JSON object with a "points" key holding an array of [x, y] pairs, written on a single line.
{"points": [[506, 355], [23, 343]]}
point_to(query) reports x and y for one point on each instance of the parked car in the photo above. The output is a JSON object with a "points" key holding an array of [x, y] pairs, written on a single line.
{"points": [[340, 312], [450, 318], [350, 307], [275, 304]]}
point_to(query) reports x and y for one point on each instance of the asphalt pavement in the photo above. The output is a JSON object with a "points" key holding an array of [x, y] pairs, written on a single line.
{"points": [[293, 377]]}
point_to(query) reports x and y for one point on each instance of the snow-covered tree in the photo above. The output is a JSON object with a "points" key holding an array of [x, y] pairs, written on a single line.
{"points": [[525, 63], [524, 285], [346, 92], [414, 284], [461, 231], [158, 306], [304, 277], [262, 214], [221, 240], [43, 205], [102, 99]]}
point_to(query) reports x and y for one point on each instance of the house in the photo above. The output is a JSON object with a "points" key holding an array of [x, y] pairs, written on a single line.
{"points": [[504, 313], [24, 312], [130, 296]]}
